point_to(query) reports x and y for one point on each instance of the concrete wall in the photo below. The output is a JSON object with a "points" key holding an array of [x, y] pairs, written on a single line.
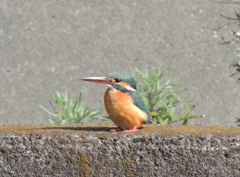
{"points": [[46, 45], [94, 151]]}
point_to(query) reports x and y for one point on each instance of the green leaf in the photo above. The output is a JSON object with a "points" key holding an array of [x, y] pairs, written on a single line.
{"points": [[185, 122], [188, 111], [154, 113], [234, 73], [160, 120], [52, 114]]}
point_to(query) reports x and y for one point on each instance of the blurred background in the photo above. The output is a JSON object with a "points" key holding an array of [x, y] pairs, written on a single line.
{"points": [[47, 45]]}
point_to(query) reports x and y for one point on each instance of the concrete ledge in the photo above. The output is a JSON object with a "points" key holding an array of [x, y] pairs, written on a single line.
{"points": [[94, 151]]}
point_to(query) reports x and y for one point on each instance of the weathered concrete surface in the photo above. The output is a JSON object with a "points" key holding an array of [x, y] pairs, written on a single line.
{"points": [[94, 151]]}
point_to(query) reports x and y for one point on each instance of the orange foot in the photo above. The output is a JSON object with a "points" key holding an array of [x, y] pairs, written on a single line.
{"points": [[119, 129], [131, 130]]}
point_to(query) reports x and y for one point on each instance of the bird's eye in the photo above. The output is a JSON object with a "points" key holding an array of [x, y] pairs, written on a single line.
{"points": [[118, 80]]}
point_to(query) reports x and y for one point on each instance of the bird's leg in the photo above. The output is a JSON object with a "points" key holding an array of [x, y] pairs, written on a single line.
{"points": [[134, 129], [119, 129]]}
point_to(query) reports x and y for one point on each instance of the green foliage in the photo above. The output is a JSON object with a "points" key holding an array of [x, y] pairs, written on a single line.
{"points": [[238, 122], [235, 62], [161, 99], [66, 112]]}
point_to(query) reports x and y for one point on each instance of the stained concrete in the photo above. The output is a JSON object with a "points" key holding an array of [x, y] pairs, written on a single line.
{"points": [[94, 151]]}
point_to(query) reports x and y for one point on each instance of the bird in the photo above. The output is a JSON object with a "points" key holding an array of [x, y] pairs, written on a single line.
{"points": [[123, 103]]}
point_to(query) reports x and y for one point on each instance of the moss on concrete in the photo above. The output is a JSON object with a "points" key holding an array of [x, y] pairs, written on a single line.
{"points": [[149, 129]]}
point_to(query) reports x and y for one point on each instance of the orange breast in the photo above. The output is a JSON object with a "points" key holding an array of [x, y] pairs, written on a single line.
{"points": [[121, 109]]}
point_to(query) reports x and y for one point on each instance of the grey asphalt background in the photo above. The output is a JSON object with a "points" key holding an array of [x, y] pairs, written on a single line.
{"points": [[46, 45]]}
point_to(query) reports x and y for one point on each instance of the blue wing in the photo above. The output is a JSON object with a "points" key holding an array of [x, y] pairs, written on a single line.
{"points": [[140, 103]]}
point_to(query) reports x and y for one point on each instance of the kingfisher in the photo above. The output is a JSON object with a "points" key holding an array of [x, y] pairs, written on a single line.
{"points": [[122, 102]]}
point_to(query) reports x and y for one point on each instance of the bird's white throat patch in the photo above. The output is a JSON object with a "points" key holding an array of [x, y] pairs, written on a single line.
{"points": [[112, 88]]}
